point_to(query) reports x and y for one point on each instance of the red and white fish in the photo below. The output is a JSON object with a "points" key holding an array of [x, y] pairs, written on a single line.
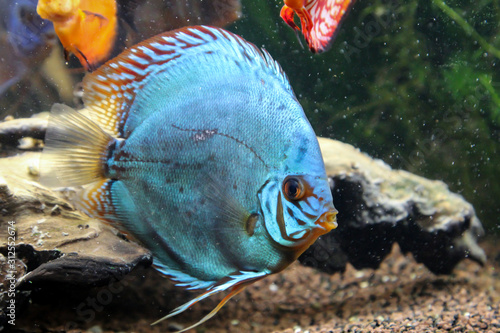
{"points": [[319, 20]]}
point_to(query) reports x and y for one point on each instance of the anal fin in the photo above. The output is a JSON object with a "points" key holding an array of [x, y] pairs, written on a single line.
{"points": [[236, 283], [95, 200], [110, 201]]}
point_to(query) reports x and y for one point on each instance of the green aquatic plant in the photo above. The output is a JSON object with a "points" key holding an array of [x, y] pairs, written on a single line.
{"points": [[408, 82], [486, 82], [469, 30], [483, 84]]}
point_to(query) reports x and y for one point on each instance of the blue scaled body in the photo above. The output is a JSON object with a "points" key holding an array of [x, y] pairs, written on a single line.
{"points": [[194, 143]]}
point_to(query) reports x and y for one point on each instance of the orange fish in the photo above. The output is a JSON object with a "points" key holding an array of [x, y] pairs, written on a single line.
{"points": [[319, 20], [86, 28]]}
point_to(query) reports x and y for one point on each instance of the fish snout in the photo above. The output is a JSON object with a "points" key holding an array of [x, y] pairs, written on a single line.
{"points": [[328, 220]]}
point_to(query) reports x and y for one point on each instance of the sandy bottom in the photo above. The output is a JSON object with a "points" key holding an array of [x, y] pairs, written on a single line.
{"points": [[401, 296]]}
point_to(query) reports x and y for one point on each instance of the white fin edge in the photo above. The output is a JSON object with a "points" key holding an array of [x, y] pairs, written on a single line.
{"points": [[238, 282], [183, 279]]}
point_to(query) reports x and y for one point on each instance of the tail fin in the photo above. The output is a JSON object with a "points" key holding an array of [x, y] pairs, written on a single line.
{"points": [[76, 149]]}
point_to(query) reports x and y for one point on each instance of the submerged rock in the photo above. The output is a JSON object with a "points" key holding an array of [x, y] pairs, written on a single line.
{"points": [[379, 206], [53, 244]]}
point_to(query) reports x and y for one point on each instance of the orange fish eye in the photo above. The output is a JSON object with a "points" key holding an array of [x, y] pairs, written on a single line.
{"points": [[293, 189]]}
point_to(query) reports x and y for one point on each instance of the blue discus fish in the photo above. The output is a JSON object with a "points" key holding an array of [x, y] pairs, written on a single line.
{"points": [[27, 32], [28, 40], [194, 143]]}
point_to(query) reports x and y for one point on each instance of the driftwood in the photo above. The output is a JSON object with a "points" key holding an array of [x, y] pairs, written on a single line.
{"points": [[55, 243]]}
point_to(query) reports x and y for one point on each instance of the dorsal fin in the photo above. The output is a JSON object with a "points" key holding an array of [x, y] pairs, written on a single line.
{"points": [[110, 91]]}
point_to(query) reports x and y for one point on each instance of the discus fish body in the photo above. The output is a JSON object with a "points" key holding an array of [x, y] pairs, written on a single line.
{"points": [[319, 20], [196, 145]]}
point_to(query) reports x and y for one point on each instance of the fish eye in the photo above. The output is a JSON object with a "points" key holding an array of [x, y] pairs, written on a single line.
{"points": [[293, 188]]}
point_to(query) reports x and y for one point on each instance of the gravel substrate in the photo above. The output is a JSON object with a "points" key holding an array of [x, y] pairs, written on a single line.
{"points": [[401, 296]]}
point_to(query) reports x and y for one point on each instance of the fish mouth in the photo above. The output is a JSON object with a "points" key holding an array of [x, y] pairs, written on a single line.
{"points": [[328, 220]]}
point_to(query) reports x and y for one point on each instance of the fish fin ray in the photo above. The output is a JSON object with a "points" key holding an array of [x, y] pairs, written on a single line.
{"points": [[182, 279], [99, 200], [288, 14], [75, 149], [95, 200], [237, 283]]}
